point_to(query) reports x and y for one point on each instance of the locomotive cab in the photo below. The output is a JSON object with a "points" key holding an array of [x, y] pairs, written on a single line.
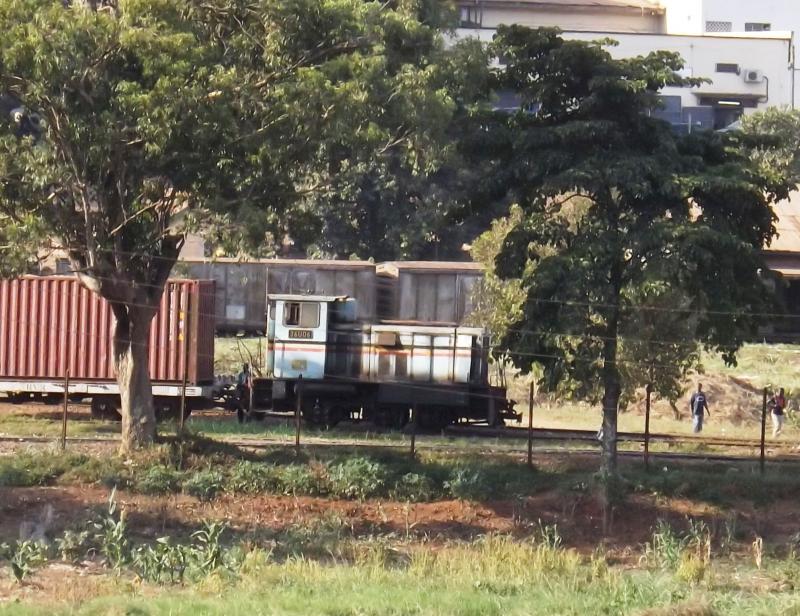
{"points": [[297, 333]]}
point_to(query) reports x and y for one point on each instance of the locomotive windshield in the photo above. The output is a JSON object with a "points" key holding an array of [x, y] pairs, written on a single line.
{"points": [[301, 314]]}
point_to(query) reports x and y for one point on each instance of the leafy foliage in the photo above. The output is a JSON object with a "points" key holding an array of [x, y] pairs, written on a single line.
{"points": [[631, 235], [243, 121], [205, 484], [357, 478]]}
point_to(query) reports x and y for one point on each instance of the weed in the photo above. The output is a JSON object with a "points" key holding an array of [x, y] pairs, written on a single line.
{"points": [[158, 480], [208, 550], [254, 478], [549, 536], [470, 483], [73, 545], [665, 548], [111, 534], [358, 478], [758, 552], [205, 485], [415, 488], [691, 568], [163, 561], [26, 556], [301, 480]]}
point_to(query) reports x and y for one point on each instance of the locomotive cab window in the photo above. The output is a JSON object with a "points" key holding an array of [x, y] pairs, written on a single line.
{"points": [[301, 314]]}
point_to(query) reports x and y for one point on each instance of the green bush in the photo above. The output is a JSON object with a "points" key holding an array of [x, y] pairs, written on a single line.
{"points": [[471, 483], [358, 478], [254, 478], [205, 485], [26, 470], [159, 480], [415, 488], [301, 480]]}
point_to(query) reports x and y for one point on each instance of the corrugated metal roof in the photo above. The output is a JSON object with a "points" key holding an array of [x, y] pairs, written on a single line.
{"points": [[393, 268], [644, 5], [315, 263]]}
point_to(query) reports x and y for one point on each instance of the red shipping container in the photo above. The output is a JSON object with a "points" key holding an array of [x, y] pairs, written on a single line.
{"points": [[50, 323]]}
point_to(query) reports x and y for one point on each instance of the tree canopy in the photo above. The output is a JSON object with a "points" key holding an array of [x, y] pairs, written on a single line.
{"points": [[624, 222], [230, 117]]}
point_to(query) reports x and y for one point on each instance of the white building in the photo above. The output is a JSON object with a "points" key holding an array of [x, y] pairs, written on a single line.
{"points": [[750, 65], [746, 73], [589, 15]]}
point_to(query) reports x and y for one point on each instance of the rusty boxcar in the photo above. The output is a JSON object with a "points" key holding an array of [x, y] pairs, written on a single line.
{"points": [[52, 326], [242, 286]]}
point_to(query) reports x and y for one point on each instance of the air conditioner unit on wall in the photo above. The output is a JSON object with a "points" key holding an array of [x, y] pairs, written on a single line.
{"points": [[752, 75]]}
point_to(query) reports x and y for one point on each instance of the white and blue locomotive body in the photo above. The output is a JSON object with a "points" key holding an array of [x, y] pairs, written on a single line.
{"points": [[374, 370]]}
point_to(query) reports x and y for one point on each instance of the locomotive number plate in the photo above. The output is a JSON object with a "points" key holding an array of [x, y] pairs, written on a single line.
{"points": [[302, 334]]}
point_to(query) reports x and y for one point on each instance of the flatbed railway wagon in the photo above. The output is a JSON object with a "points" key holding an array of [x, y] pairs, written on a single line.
{"points": [[52, 326], [334, 366]]}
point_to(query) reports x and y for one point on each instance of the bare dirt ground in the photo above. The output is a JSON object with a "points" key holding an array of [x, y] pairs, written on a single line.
{"points": [[579, 516]]}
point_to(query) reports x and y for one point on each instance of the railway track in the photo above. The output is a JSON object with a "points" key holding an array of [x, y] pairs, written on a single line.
{"points": [[622, 437], [513, 435]]}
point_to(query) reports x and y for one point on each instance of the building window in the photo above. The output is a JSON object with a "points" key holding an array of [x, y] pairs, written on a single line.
{"points": [[719, 26], [753, 26], [301, 314], [727, 68], [469, 16]]}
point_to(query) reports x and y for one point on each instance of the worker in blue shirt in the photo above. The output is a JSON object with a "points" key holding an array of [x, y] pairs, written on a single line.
{"points": [[697, 405]]}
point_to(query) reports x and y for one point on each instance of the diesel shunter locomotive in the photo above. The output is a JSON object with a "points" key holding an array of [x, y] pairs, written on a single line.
{"points": [[321, 358]]}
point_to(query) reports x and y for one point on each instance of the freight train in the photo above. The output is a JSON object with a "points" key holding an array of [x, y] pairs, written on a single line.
{"points": [[322, 357]]}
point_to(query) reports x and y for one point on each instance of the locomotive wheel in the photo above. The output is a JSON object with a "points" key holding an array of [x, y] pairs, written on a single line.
{"points": [[168, 407], [324, 415], [434, 419], [390, 416], [105, 407]]}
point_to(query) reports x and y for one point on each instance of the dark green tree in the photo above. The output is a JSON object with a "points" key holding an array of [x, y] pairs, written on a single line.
{"points": [[160, 117], [623, 219]]}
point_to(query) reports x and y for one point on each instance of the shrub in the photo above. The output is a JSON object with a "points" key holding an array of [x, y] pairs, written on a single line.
{"points": [[691, 568], [73, 545], [666, 547], [254, 477], [415, 488], [162, 562], [111, 534], [26, 470], [158, 480], [205, 485], [358, 478], [300, 480], [470, 483], [26, 556]]}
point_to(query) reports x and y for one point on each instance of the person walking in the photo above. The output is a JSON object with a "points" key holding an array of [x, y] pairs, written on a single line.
{"points": [[697, 405], [243, 383], [778, 404]]}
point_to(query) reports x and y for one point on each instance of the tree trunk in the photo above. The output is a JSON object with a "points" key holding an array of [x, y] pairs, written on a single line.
{"points": [[131, 359], [611, 394]]}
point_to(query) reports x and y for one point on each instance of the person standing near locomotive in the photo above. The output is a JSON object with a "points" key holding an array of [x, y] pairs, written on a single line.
{"points": [[778, 406], [243, 384], [697, 406]]}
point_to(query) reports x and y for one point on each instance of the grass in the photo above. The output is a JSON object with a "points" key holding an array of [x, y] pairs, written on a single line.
{"points": [[495, 575], [230, 352], [762, 365]]}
